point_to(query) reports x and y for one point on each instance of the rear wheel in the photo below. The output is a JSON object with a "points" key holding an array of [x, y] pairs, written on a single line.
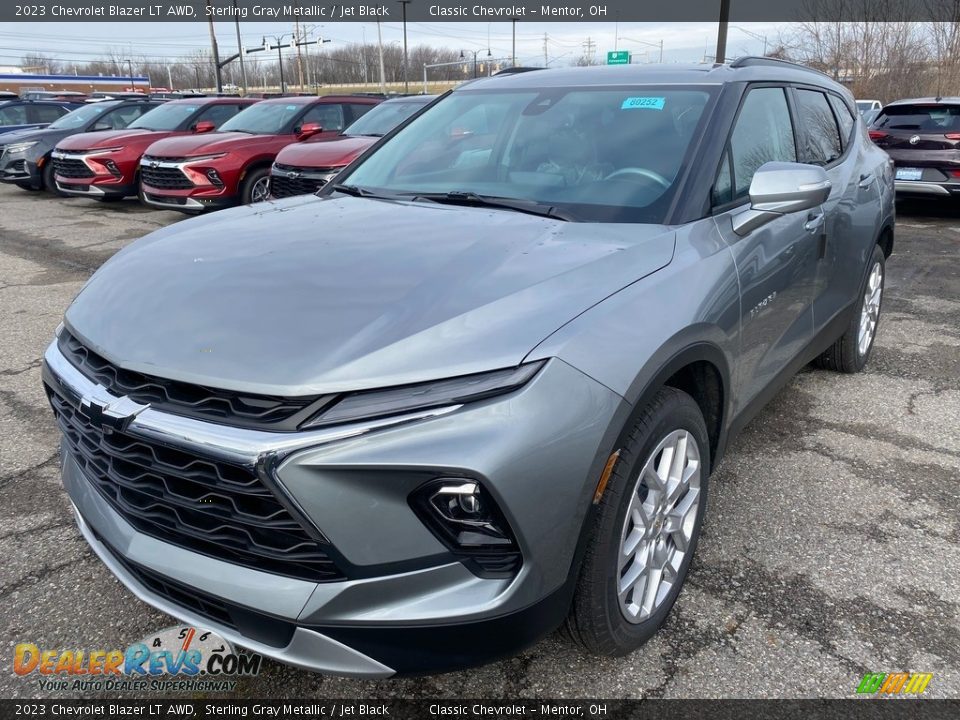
{"points": [[849, 354], [255, 186], [645, 528]]}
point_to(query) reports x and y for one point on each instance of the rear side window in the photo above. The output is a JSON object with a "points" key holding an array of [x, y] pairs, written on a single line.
{"points": [[13, 115], [357, 111], [922, 118], [763, 133], [844, 117], [822, 136]]}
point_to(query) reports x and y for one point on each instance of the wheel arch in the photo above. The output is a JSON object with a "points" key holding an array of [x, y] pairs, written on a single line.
{"points": [[885, 239]]}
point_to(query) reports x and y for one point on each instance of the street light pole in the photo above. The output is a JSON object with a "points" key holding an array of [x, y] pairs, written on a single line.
{"points": [[513, 52], [383, 82], [722, 31], [243, 70], [406, 81], [213, 47], [133, 86]]}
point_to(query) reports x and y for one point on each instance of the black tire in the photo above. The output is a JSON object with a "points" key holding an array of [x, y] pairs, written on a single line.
{"points": [[596, 621], [250, 179], [48, 181], [845, 354]]}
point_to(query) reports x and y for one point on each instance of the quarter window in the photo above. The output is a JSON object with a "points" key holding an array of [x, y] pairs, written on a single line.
{"points": [[822, 144], [49, 113], [763, 133], [845, 118]]}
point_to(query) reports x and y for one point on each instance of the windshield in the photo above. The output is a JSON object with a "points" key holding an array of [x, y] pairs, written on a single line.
{"points": [[79, 118], [384, 118], [263, 118], [169, 116], [602, 155], [925, 118]]}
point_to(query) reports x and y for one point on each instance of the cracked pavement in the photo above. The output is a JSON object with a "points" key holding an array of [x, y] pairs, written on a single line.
{"points": [[830, 547]]}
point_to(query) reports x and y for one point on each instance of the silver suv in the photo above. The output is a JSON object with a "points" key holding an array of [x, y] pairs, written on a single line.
{"points": [[477, 388]]}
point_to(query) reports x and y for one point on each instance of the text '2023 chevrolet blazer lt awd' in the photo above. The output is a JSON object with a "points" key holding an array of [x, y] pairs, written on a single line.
{"points": [[476, 388]]}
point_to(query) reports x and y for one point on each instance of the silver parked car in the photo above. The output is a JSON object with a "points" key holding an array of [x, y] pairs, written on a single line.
{"points": [[475, 389]]}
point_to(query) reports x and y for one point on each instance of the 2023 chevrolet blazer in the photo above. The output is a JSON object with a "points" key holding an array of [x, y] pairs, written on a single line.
{"points": [[476, 388]]}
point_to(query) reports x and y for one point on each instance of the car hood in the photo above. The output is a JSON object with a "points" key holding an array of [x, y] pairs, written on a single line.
{"points": [[327, 153], [110, 138], [28, 135], [214, 142], [308, 296]]}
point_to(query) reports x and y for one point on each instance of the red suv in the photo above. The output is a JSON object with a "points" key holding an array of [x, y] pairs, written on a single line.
{"points": [[106, 165], [305, 167], [193, 174]]}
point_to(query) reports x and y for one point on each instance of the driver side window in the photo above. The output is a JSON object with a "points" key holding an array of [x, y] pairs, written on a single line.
{"points": [[763, 133]]}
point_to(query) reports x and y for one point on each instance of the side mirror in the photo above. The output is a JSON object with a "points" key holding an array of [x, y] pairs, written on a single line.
{"points": [[204, 126], [308, 130], [779, 188]]}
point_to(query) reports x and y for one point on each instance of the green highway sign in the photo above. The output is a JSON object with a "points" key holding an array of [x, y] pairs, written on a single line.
{"points": [[618, 57]]}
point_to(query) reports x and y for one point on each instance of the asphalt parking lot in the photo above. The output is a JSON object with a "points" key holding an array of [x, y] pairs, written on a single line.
{"points": [[831, 546]]}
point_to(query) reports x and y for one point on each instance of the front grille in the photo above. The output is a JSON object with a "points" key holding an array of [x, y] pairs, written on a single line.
{"points": [[259, 412], [208, 506], [281, 185], [166, 178], [71, 168]]}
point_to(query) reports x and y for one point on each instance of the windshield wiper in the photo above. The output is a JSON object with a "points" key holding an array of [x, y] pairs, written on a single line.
{"points": [[357, 191], [458, 197]]}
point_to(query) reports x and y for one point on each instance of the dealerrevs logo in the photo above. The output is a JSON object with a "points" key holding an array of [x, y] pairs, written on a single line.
{"points": [[183, 653]]}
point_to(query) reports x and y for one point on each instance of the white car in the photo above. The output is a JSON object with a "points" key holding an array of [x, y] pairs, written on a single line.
{"points": [[865, 106]]}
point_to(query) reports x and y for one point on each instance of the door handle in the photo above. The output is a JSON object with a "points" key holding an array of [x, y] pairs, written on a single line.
{"points": [[814, 222], [866, 181]]}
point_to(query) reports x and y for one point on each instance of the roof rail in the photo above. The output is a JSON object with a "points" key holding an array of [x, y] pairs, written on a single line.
{"points": [[755, 60], [515, 70]]}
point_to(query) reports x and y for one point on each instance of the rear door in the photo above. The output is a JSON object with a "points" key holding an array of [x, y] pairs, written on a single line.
{"points": [[776, 263]]}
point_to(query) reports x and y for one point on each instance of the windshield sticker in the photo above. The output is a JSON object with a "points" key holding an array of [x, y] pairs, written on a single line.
{"points": [[643, 103]]}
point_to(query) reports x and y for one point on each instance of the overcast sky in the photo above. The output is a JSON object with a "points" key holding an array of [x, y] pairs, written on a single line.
{"points": [[83, 42]]}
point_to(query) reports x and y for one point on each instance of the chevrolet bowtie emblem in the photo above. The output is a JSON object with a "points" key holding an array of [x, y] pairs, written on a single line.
{"points": [[107, 412]]}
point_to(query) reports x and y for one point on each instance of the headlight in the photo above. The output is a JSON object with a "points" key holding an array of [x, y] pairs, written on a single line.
{"points": [[410, 398], [202, 158], [20, 147]]}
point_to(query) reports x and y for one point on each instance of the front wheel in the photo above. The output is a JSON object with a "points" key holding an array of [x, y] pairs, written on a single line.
{"points": [[645, 528], [849, 354], [48, 180], [256, 186]]}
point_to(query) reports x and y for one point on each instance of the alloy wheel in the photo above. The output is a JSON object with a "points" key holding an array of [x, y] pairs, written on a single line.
{"points": [[260, 190], [870, 310], [658, 528]]}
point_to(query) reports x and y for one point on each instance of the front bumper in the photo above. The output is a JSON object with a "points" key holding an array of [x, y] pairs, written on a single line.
{"points": [[539, 451], [18, 169]]}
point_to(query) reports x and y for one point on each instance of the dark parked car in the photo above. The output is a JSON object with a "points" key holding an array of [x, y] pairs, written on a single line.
{"points": [[304, 168], [25, 155], [922, 137], [26, 114], [477, 387], [106, 165], [232, 167]]}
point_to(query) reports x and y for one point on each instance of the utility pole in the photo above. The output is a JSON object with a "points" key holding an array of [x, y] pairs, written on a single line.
{"points": [[513, 52], [383, 83], [296, 33], [213, 47], [243, 70], [546, 60], [133, 86], [722, 31], [406, 81], [588, 47], [169, 76]]}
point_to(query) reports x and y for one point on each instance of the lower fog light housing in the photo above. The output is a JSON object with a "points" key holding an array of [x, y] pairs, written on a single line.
{"points": [[467, 519]]}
